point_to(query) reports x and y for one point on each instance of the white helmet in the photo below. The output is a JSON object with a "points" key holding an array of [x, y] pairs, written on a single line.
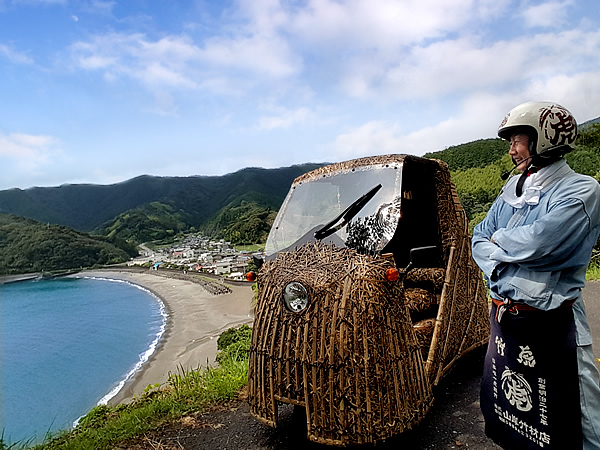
{"points": [[548, 125]]}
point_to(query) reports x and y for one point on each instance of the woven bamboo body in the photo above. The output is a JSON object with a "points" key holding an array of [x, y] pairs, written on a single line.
{"points": [[462, 322], [352, 358], [363, 357]]}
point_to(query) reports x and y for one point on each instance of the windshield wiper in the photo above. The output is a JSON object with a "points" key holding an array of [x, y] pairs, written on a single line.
{"points": [[346, 215]]}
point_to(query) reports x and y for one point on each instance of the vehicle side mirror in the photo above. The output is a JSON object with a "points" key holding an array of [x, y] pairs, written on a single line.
{"points": [[258, 260], [423, 257]]}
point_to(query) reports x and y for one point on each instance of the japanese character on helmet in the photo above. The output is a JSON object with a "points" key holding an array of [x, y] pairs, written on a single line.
{"points": [[551, 128]]}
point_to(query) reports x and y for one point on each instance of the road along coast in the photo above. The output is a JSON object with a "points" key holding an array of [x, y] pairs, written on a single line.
{"points": [[195, 320]]}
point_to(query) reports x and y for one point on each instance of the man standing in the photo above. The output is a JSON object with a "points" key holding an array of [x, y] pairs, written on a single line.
{"points": [[540, 386]]}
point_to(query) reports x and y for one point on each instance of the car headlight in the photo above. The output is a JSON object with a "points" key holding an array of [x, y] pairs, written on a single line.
{"points": [[295, 297]]}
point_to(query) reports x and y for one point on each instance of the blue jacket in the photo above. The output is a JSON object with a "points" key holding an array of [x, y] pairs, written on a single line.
{"points": [[540, 252]]}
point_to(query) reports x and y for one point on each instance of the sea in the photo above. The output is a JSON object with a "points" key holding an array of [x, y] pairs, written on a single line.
{"points": [[67, 345]]}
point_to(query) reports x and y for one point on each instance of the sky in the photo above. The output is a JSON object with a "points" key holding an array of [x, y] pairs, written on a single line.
{"points": [[101, 91]]}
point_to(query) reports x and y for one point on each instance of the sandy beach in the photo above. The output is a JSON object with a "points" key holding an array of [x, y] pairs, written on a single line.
{"points": [[196, 318]]}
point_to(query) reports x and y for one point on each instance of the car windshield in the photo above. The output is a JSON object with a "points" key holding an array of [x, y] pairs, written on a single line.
{"points": [[312, 203]]}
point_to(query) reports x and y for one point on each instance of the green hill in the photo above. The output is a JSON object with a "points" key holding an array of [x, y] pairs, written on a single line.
{"points": [[151, 222], [149, 208], [87, 207], [29, 246], [242, 222], [476, 154]]}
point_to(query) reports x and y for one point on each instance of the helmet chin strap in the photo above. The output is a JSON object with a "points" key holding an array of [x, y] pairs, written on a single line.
{"points": [[530, 169], [537, 162]]}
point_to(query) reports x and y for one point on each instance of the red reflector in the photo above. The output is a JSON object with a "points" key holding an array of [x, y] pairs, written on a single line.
{"points": [[392, 274], [251, 276]]}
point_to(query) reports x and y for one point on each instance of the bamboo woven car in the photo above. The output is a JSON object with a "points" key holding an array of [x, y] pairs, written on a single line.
{"points": [[341, 328]]}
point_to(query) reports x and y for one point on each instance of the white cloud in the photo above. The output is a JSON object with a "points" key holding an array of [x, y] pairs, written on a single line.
{"points": [[487, 10], [262, 16], [579, 93], [177, 62], [159, 63], [384, 25], [371, 138], [284, 119], [477, 118], [14, 56], [395, 51], [100, 7], [401, 50], [464, 65], [28, 151], [548, 14], [157, 73], [259, 54], [266, 41]]}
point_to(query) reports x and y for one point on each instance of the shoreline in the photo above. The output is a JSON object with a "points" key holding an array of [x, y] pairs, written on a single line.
{"points": [[195, 320]]}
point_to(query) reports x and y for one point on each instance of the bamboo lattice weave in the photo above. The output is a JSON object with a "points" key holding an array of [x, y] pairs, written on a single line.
{"points": [[462, 322], [352, 357]]}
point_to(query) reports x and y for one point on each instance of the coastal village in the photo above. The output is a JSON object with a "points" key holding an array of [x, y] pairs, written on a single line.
{"points": [[197, 253]]}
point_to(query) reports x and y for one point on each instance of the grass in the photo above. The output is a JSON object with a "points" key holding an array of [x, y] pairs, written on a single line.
{"points": [[593, 271], [186, 392], [14, 446], [249, 247]]}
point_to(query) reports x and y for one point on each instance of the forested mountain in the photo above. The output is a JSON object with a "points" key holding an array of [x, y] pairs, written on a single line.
{"points": [[173, 203], [242, 221], [30, 246], [151, 222], [471, 155]]}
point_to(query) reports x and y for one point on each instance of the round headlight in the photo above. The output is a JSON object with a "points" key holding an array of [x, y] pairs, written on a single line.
{"points": [[295, 297]]}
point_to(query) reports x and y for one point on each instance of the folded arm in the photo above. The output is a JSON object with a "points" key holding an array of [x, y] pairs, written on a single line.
{"points": [[549, 242]]}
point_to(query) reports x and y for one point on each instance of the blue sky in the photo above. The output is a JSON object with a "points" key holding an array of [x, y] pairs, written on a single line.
{"points": [[98, 91]]}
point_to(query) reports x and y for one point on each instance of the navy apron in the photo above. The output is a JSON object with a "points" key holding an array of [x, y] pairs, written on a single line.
{"points": [[530, 383]]}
